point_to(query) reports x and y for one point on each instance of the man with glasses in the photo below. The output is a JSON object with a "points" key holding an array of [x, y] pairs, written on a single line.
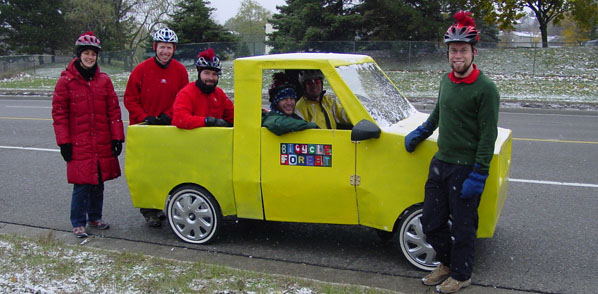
{"points": [[317, 107]]}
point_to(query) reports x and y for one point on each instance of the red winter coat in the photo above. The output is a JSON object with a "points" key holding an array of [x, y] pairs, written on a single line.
{"points": [[192, 106], [151, 89], [87, 115]]}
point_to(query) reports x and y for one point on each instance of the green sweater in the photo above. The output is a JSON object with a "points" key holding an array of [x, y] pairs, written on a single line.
{"points": [[281, 124], [467, 115]]}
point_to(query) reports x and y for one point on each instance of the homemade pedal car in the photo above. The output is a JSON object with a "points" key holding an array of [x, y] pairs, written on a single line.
{"points": [[360, 176]]}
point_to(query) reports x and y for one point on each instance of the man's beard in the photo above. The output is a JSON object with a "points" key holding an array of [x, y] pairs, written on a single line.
{"points": [[464, 71], [204, 87]]}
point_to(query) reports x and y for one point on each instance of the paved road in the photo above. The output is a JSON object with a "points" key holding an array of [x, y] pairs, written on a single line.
{"points": [[544, 241]]}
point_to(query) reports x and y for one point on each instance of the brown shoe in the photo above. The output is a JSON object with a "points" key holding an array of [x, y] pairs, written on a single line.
{"points": [[437, 276], [452, 286]]}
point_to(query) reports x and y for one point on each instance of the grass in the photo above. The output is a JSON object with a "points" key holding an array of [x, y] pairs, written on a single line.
{"points": [[45, 265], [567, 74]]}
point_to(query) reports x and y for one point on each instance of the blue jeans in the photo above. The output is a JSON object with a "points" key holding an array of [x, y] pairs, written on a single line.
{"points": [[87, 203], [454, 245]]}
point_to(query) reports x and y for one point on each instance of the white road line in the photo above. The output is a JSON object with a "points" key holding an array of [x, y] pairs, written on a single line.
{"points": [[12, 106], [511, 180], [30, 148], [554, 183]]}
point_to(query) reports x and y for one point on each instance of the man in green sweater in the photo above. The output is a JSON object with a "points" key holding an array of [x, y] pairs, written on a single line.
{"points": [[467, 116], [281, 118]]}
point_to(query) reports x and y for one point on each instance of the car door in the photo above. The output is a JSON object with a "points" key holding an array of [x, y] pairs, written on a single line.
{"points": [[306, 176]]}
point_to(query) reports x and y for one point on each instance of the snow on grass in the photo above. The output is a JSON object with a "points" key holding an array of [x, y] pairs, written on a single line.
{"points": [[48, 266], [567, 74]]}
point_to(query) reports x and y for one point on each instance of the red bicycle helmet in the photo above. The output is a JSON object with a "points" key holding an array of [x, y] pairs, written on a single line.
{"points": [[88, 39], [463, 30]]}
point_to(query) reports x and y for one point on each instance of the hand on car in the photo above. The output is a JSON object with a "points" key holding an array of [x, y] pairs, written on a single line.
{"points": [[417, 136], [151, 120], [216, 122], [164, 119]]}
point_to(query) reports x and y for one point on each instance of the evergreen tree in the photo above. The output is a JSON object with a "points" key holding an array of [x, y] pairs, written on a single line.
{"points": [[391, 20], [34, 26], [192, 23], [302, 25]]}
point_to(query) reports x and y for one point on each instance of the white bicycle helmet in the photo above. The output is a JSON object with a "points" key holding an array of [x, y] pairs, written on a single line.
{"points": [[165, 35]]}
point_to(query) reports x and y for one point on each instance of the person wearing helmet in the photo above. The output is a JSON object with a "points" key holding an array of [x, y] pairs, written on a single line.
{"points": [[89, 130], [317, 107], [281, 118], [150, 93], [466, 114], [203, 104], [154, 83]]}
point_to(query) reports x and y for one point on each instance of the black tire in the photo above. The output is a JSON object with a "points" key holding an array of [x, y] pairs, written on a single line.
{"points": [[193, 214], [412, 241]]}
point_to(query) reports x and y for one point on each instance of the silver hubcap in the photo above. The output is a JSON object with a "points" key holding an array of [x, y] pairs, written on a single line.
{"points": [[192, 216], [414, 241]]}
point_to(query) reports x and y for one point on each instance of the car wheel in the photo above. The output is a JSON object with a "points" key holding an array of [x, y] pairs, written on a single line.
{"points": [[413, 241], [193, 214]]}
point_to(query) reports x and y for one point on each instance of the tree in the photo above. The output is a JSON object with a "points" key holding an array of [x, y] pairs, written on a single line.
{"points": [[390, 20], [91, 15], [193, 23], [585, 14], [546, 11], [250, 21], [302, 23], [34, 26]]}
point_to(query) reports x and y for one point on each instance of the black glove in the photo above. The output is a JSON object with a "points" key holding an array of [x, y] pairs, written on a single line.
{"points": [[66, 150], [151, 120], [164, 119], [117, 147], [216, 122]]}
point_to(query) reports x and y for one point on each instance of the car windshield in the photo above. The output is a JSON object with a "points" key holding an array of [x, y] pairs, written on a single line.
{"points": [[376, 93]]}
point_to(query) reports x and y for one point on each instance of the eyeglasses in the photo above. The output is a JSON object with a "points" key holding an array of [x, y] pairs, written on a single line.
{"points": [[313, 81]]}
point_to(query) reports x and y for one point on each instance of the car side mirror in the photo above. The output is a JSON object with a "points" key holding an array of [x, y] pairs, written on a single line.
{"points": [[364, 130]]}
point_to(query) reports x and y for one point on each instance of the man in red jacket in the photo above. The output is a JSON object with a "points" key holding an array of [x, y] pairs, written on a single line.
{"points": [[203, 104], [150, 93], [154, 83]]}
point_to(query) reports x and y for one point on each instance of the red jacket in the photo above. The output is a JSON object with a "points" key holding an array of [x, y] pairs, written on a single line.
{"points": [[151, 89], [87, 115], [192, 106]]}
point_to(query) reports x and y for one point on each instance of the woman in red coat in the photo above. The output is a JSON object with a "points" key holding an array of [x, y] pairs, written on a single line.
{"points": [[89, 131]]}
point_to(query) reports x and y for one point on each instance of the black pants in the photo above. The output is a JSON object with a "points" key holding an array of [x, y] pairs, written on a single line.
{"points": [[454, 244]]}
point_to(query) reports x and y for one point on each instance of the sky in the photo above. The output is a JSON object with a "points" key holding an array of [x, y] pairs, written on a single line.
{"points": [[226, 9]]}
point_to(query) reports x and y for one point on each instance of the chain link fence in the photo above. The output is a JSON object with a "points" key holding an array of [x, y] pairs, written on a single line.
{"points": [[391, 56], [563, 72]]}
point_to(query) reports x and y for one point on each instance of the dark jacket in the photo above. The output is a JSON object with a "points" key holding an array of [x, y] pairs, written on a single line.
{"points": [[280, 124]]}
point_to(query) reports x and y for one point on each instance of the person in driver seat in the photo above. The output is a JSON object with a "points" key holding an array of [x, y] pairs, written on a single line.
{"points": [[281, 118]]}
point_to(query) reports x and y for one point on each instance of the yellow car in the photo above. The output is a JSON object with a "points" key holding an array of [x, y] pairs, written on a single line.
{"points": [[362, 176]]}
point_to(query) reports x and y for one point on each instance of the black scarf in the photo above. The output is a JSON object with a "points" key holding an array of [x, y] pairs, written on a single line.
{"points": [[87, 73]]}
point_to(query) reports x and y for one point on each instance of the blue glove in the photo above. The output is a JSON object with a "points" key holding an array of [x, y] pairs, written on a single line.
{"points": [[417, 136], [474, 184]]}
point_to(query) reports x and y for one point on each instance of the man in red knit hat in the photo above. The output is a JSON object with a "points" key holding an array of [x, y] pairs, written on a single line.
{"points": [[150, 93], [467, 116], [203, 104]]}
